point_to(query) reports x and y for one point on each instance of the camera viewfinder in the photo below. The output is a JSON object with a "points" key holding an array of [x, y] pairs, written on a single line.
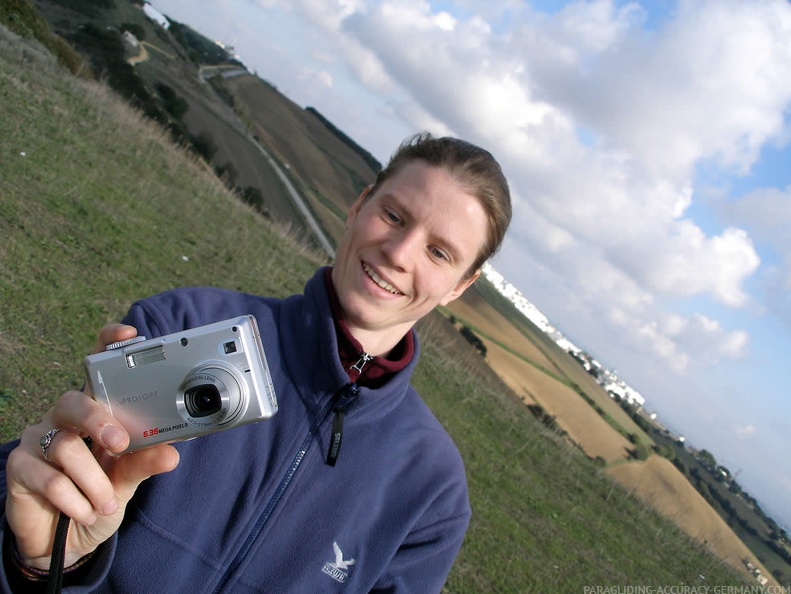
{"points": [[229, 347]]}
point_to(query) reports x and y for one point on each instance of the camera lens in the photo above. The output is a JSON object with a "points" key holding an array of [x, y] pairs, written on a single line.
{"points": [[203, 400], [212, 394]]}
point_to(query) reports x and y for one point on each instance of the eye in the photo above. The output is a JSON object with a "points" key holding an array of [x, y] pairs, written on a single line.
{"points": [[392, 217], [438, 254]]}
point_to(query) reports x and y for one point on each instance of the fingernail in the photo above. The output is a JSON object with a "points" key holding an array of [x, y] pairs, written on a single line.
{"points": [[110, 508], [113, 437]]}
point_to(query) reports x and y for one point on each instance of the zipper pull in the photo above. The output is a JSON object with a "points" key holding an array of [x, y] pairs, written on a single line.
{"points": [[344, 400], [358, 367]]}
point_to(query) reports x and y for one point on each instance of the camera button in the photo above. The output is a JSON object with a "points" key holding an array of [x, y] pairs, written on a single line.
{"points": [[123, 343]]}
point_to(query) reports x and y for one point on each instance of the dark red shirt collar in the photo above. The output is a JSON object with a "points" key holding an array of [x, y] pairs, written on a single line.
{"points": [[376, 371]]}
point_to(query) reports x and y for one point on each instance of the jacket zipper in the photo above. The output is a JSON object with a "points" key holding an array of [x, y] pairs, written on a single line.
{"points": [[342, 403], [344, 398]]}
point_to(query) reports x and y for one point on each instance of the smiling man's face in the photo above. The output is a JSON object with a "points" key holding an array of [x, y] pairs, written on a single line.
{"points": [[407, 249]]}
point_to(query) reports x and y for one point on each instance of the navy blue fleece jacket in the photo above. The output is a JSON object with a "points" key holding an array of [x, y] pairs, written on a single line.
{"points": [[256, 508]]}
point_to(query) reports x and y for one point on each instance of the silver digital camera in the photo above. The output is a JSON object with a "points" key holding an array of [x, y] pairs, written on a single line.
{"points": [[186, 384]]}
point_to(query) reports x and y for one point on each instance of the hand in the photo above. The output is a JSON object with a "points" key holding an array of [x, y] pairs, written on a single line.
{"points": [[91, 488]]}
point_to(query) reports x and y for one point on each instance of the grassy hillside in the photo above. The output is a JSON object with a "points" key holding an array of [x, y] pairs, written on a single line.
{"points": [[98, 208]]}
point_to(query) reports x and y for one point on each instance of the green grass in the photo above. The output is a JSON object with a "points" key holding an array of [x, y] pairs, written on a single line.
{"points": [[102, 210]]}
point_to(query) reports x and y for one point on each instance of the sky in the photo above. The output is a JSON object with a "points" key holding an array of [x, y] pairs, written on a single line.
{"points": [[647, 146]]}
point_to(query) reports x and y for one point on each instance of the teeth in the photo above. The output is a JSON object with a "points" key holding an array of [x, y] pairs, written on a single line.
{"points": [[380, 281]]}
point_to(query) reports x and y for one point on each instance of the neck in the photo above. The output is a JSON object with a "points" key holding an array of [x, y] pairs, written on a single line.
{"points": [[377, 343]]}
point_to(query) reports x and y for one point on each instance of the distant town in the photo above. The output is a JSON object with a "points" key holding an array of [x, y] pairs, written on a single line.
{"points": [[607, 378]]}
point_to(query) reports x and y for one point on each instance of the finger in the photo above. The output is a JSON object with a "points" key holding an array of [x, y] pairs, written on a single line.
{"points": [[69, 477], [29, 475], [73, 456], [132, 469], [113, 333], [81, 414]]}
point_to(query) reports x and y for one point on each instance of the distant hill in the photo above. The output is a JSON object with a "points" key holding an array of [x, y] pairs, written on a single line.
{"points": [[368, 157]]}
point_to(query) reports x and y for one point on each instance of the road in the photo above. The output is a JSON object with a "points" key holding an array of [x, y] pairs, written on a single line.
{"points": [[318, 232]]}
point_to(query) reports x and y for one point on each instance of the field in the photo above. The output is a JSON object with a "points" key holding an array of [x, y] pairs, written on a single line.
{"points": [[660, 485], [100, 208]]}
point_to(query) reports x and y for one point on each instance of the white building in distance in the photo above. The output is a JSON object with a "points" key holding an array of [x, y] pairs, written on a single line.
{"points": [[156, 16], [609, 380]]}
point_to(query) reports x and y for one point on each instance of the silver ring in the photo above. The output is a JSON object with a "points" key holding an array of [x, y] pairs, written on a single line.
{"points": [[46, 440]]}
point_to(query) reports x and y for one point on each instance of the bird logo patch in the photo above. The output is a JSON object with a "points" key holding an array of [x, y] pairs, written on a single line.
{"points": [[338, 569]]}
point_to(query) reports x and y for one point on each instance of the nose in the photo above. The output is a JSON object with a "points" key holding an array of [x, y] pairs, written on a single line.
{"points": [[401, 249]]}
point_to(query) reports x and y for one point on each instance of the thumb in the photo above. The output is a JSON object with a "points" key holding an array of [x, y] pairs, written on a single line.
{"points": [[113, 333], [132, 469]]}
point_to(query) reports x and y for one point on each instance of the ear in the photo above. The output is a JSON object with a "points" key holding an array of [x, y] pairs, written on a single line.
{"points": [[462, 286], [356, 206]]}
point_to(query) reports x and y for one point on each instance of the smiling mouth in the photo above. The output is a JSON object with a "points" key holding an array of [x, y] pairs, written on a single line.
{"points": [[380, 281]]}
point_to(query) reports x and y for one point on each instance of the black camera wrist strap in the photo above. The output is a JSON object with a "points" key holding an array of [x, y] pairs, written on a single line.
{"points": [[58, 557]]}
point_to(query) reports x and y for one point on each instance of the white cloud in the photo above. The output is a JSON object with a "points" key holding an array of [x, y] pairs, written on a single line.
{"points": [[445, 21], [604, 302], [690, 264], [594, 26], [685, 344], [325, 78], [711, 85], [320, 78], [766, 212], [786, 482], [745, 431]]}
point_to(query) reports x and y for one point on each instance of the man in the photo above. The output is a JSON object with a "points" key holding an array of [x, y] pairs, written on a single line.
{"points": [[273, 506]]}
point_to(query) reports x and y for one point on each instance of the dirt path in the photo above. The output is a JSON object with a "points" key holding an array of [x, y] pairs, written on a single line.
{"points": [[141, 57], [144, 55]]}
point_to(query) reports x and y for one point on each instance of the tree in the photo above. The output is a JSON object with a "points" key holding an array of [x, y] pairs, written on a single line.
{"points": [[173, 104], [473, 339], [666, 452], [204, 145], [640, 452], [228, 174], [707, 459], [253, 196], [780, 576]]}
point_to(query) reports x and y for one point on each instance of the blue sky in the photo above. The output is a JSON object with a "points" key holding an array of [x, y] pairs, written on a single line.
{"points": [[647, 146]]}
